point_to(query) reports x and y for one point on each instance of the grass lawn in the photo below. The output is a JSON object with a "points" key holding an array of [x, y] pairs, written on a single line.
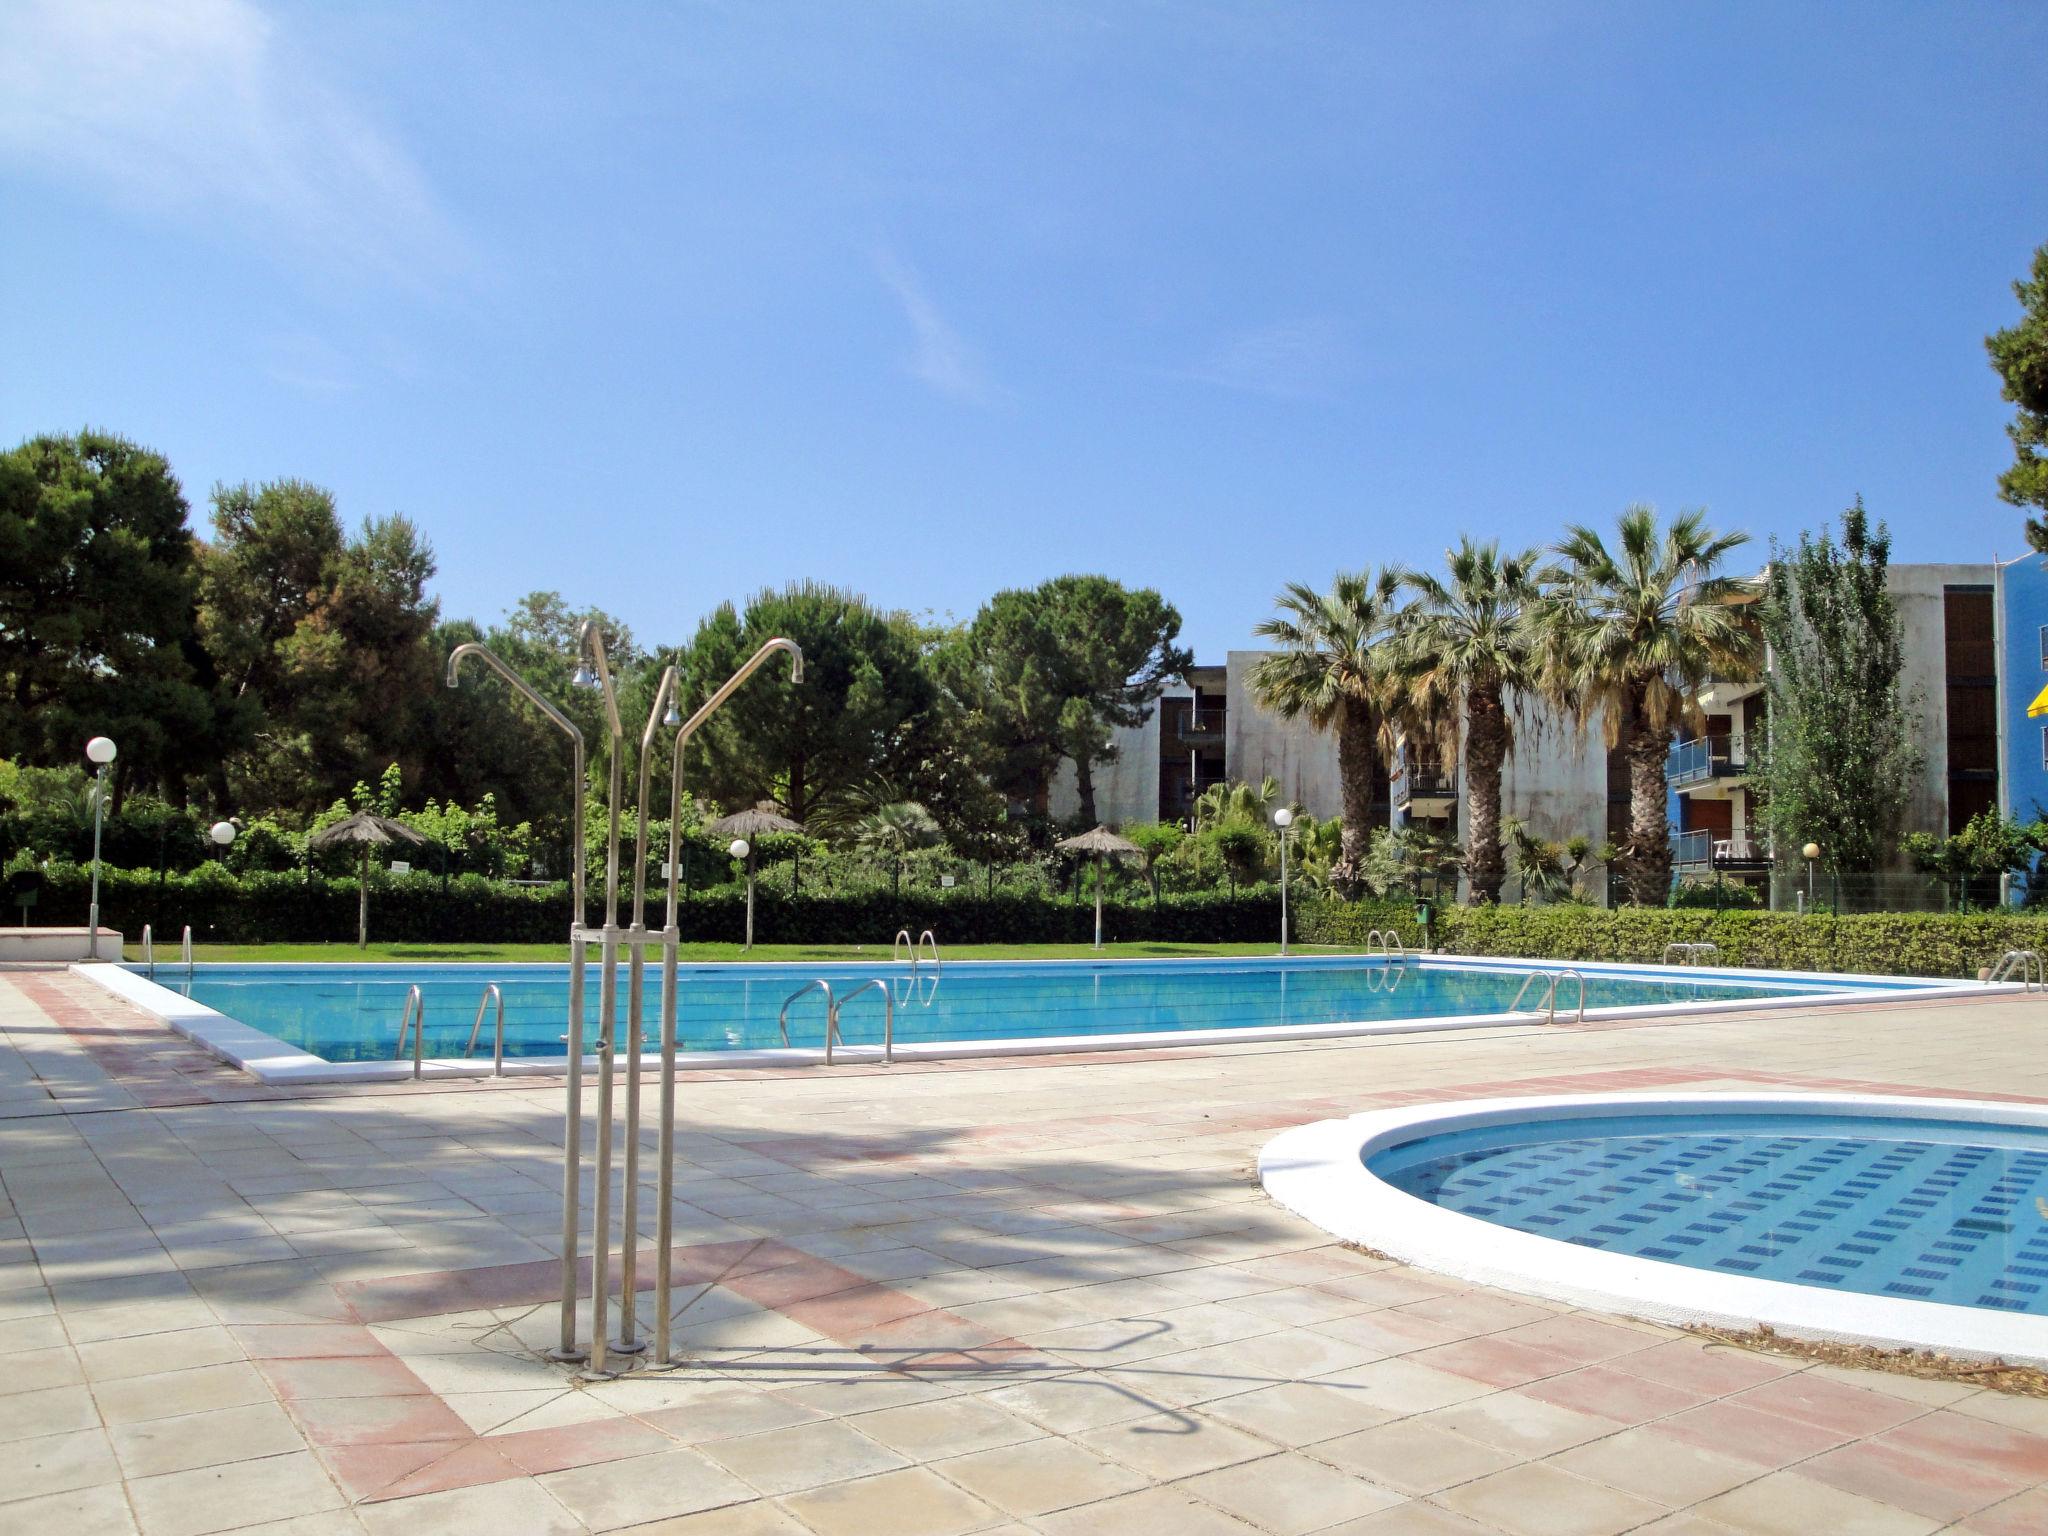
{"points": [[760, 953]]}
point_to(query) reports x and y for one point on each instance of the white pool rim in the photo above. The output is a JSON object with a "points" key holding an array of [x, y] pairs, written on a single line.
{"points": [[279, 1063], [1319, 1172]]}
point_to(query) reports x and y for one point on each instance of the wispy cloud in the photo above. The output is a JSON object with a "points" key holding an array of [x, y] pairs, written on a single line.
{"points": [[1289, 360], [203, 111], [940, 357]]}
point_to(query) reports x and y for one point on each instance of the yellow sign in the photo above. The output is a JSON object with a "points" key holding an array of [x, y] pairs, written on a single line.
{"points": [[2040, 704]]}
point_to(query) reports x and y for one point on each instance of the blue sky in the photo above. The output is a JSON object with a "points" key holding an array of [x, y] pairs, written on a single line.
{"points": [[656, 305]]}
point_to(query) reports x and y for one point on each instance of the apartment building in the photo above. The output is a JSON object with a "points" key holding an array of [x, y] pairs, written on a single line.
{"points": [[1967, 629]]}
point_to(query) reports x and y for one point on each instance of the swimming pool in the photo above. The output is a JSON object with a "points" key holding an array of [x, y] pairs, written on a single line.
{"points": [[348, 1015], [1917, 1221]]}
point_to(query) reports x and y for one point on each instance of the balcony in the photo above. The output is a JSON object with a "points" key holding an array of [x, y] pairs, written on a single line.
{"points": [[1201, 727], [1423, 788], [1706, 758], [1703, 850]]}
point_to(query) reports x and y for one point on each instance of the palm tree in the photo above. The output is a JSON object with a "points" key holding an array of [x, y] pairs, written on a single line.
{"points": [[894, 830], [1333, 667], [1633, 634], [1466, 642]]}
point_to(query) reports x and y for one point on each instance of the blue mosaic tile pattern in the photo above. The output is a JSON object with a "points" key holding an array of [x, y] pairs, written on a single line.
{"points": [[1925, 1211]]}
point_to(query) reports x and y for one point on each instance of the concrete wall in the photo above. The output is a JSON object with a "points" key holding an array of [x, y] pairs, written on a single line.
{"points": [[1556, 778], [1258, 743], [1126, 789]]}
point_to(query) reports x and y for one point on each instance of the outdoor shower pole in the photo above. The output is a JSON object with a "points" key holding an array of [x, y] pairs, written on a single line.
{"points": [[629, 1339], [588, 639], [665, 1203], [572, 1115]]}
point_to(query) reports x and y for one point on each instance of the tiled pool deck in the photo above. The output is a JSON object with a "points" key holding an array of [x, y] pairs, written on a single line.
{"points": [[1042, 1296]]}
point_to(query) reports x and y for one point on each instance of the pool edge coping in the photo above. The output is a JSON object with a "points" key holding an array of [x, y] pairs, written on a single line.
{"points": [[277, 1063], [1318, 1171]]}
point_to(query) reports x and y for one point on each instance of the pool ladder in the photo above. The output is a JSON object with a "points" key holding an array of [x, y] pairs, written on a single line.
{"points": [[414, 1019], [1389, 942], [149, 952], [1690, 954], [903, 947], [2026, 963], [491, 995], [1547, 1005], [832, 1007]]}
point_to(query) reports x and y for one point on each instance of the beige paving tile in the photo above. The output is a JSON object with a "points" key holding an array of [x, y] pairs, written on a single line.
{"points": [[1152, 1512], [646, 1488], [1068, 1404], [760, 1518], [208, 1499], [1415, 1518], [1655, 1467], [37, 1370], [1298, 1413], [1173, 1445], [1039, 1476], [1786, 1504], [136, 1399], [78, 1458], [1538, 1500], [155, 1353], [802, 1456], [952, 1427], [97, 1511], [910, 1502], [53, 1410], [1413, 1456], [1290, 1494], [205, 1439], [516, 1508], [1521, 1426], [1398, 1388]]}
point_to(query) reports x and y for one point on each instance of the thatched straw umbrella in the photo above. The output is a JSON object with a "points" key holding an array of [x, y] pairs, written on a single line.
{"points": [[750, 825], [367, 830], [1100, 844]]}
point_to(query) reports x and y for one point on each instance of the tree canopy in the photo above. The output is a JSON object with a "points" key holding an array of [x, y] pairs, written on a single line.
{"points": [[1838, 763], [2020, 354]]}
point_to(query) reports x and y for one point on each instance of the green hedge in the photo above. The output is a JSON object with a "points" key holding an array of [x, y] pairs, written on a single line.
{"points": [[261, 908], [1898, 943]]}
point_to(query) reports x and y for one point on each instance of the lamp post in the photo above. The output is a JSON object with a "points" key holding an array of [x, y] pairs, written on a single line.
{"points": [[740, 848], [1812, 852], [102, 751], [222, 833], [1284, 820]]}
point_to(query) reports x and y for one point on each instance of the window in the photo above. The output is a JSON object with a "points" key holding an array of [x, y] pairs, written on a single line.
{"points": [[2044, 647], [2044, 746]]}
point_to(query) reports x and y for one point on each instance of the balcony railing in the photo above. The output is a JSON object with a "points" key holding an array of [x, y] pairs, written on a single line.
{"points": [[1703, 850], [1706, 757], [1410, 782], [1201, 727]]}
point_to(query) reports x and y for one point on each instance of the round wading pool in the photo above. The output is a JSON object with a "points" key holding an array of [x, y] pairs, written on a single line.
{"points": [[1921, 1222]]}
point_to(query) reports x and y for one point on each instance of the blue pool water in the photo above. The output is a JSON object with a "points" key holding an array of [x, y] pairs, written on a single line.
{"points": [[1919, 1210], [351, 1013]]}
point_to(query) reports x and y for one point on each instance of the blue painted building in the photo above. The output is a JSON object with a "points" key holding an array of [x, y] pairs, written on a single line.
{"points": [[2023, 678]]}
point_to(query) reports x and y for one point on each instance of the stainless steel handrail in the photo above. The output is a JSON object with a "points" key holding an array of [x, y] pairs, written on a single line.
{"points": [[2027, 961], [415, 1018], [888, 1020], [185, 953], [1395, 950], [782, 1018], [498, 1038], [1688, 954], [1529, 981], [927, 937], [149, 952], [1375, 936], [1568, 974], [903, 947]]}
